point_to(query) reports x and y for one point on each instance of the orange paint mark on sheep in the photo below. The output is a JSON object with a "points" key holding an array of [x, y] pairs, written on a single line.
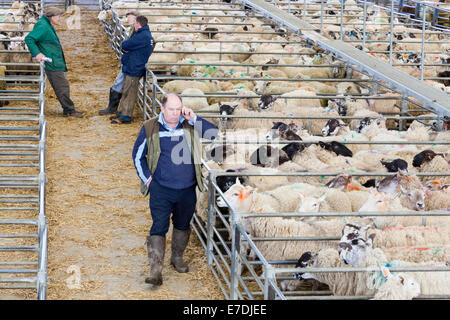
{"points": [[352, 187], [244, 194], [244, 106], [379, 45], [436, 182], [299, 86], [260, 210], [372, 54]]}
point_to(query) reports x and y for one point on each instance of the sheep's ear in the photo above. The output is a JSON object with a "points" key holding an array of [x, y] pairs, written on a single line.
{"points": [[238, 182], [345, 246], [322, 198], [220, 104], [402, 189], [401, 279], [302, 196]]}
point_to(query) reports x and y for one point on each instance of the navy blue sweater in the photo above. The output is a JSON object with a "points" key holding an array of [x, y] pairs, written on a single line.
{"points": [[139, 48], [175, 167]]}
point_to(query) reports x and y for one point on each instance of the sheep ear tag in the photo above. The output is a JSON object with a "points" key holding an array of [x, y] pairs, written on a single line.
{"points": [[386, 273]]}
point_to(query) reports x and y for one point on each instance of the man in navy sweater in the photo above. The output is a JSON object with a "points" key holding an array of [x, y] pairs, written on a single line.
{"points": [[167, 158], [136, 52]]}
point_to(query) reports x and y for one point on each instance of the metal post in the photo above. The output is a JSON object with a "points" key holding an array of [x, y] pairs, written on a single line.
{"points": [[391, 32], [304, 10], [342, 19], [269, 274], [423, 43], [235, 249], [144, 92], [211, 217], [321, 16], [402, 123], [364, 26], [154, 82]]}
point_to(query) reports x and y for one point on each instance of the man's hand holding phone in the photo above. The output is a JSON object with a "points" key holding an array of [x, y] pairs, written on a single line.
{"points": [[188, 114]]}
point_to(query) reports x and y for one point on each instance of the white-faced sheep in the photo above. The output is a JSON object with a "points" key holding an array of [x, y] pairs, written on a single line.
{"points": [[398, 287], [205, 86]]}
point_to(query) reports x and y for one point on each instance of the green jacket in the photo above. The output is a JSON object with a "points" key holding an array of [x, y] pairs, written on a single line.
{"points": [[154, 149], [43, 39]]}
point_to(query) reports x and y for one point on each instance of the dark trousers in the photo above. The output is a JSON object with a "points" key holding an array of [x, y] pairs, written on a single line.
{"points": [[60, 85], [164, 202]]}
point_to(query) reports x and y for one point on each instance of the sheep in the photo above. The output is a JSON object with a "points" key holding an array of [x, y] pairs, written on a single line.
{"points": [[340, 283], [436, 164], [438, 200], [335, 127], [377, 202], [249, 121], [194, 103], [411, 236], [206, 86], [332, 201], [281, 227], [363, 255], [247, 199], [418, 253], [410, 188], [398, 287]]}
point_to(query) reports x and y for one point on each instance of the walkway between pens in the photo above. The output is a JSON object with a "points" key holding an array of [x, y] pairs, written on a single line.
{"points": [[98, 220]]}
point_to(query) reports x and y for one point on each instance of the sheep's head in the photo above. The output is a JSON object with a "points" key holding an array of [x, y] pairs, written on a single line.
{"points": [[238, 196], [354, 252], [352, 231], [377, 202], [339, 105], [367, 123], [307, 259], [404, 287], [415, 196], [266, 102], [310, 204], [434, 185], [225, 110], [332, 127], [282, 129], [218, 153]]}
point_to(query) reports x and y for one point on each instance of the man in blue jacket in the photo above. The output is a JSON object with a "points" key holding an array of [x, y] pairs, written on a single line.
{"points": [[136, 52], [167, 156]]}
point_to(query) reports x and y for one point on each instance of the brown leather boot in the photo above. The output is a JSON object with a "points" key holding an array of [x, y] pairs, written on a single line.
{"points": [[156, 246], [180, 240]]}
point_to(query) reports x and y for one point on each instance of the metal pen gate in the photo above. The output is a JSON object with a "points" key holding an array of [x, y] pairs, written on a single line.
{"points": [[23, 223], [223, 243]]}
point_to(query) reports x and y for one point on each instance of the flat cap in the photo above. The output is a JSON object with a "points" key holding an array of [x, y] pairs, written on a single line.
{"points": [[52, 11]]}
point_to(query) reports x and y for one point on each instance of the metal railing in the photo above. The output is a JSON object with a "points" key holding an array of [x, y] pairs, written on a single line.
{"points": [[23, 222], [223, 234]]}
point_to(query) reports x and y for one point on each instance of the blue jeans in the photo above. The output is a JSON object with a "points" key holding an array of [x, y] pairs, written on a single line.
{"points": [[166, 201], [118, 82]]}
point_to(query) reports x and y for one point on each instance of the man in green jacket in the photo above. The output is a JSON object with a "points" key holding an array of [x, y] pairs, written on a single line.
{"points": [[44, 45]]}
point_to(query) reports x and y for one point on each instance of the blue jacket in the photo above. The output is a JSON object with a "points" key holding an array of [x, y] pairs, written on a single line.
{"points": [[175, 167], [139, 48]]}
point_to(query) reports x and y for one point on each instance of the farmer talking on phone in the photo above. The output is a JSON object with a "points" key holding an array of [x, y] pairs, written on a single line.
{"points": [[167, 156]]}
